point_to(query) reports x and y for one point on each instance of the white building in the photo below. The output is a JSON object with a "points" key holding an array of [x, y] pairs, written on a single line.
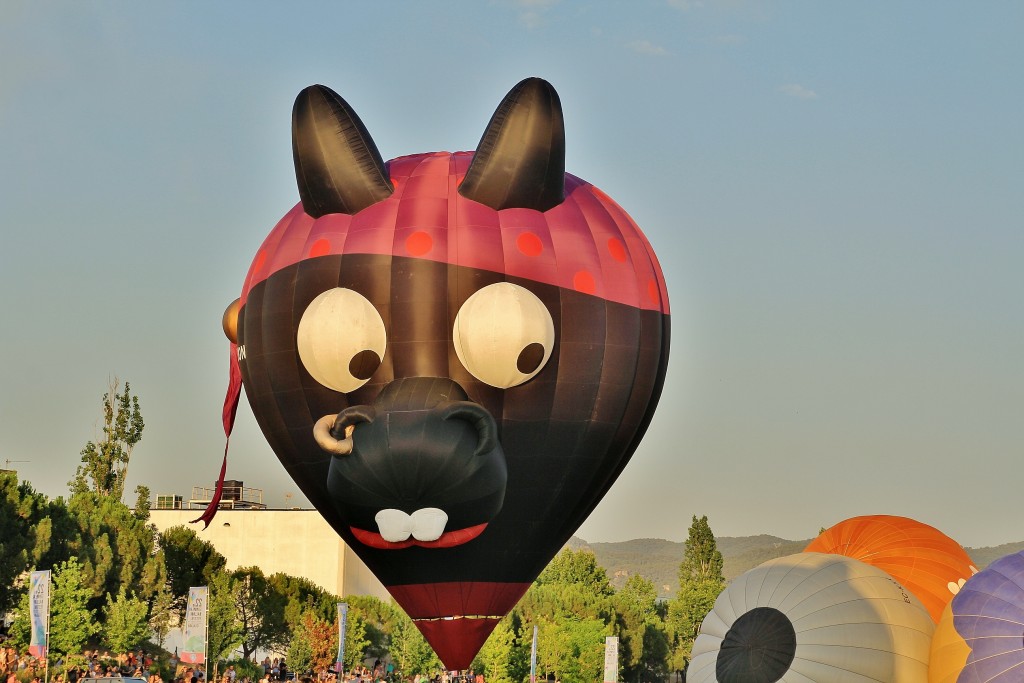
{"points": [[296, 542]]}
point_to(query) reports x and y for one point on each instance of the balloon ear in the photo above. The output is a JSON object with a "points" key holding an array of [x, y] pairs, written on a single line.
{"points": [[520, 161], [337, 166]]}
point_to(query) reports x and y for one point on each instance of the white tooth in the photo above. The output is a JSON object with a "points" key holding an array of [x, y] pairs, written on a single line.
{"points": [[394, 525], [428, 524]]}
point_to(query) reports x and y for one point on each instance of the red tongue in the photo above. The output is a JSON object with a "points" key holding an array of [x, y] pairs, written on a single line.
{"points": [[457, 617]]}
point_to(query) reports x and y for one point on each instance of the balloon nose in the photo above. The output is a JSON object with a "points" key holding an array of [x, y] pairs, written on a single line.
{"points": [[418, 393]]}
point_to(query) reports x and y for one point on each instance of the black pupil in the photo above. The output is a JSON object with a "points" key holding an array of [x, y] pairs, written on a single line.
{"points": [[364, 364], [530, 358], [758, 648]]}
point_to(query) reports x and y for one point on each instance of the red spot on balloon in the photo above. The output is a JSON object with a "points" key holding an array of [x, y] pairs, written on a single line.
{"points": [[321, 247], [261, 258], [652, 291], [601, 195], [617, 249], [583, 281], [529, 244], [419, 243]]}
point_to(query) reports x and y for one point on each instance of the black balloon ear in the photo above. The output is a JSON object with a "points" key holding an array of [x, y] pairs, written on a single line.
{"points": [[337, 166], [520, 161]]}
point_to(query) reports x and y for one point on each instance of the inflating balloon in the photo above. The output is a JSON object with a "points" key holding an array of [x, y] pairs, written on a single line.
{"points": [[924, 560], [813, 618], [980, 637], [453, 354]]}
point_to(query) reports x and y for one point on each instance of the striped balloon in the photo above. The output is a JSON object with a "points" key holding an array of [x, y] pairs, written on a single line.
{"points": [[980, 638], [813, 617], [928, 563]]}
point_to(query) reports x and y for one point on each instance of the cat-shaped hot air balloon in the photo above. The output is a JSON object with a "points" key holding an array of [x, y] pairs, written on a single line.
{"points": [[453, 354]]}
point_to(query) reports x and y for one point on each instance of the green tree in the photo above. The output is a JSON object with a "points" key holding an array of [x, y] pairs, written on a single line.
{"points": [[223, 632], [572, 647], [577, 568], [259, 609], [497, 658], [189, 561], [161, 615], [355, 639], [104, 465], [115, 548], [300, 647], [21, 511], [142, 502], [700, 583], [643, 649], [571, 604], [125, 623], [72, 622], [409, 649], [379, 619]]}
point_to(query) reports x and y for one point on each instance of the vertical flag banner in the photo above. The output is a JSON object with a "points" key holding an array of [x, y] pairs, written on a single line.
{"points": [[533, 657], [194, 650], [339, 661], [611, 659], [39, 612]]}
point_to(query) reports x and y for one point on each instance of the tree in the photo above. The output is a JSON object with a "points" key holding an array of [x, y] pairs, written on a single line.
{"points": [[142, 502], [314, 645], [409, 649], [115, 548], [643, 640], [301, 596], [379, 619], [259, 609], [104, 465], [577, 568], [161, 615], [497, 658], [700, 583], [125, 624], [572, 648], [355, 640], [190, 561], [223, 631], [72, 622], [300, 649], [571, 604], [21, 510]]}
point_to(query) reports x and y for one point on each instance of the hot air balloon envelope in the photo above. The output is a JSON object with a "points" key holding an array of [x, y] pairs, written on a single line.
{"points": [[980, 637], [813, 617], [453, 354], [923, 559]]}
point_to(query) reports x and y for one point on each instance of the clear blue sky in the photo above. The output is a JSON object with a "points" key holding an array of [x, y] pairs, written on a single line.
{"points": [[835, 191]]}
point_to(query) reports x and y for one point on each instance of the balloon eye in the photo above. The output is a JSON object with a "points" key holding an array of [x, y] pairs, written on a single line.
{"points": [[341, 339], [503, 335]]}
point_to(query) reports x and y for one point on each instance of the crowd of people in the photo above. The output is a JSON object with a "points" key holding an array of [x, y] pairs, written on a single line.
{"points": [[22, 667], [16, 667]]}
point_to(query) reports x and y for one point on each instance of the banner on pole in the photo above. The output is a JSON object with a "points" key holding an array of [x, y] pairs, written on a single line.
{"points": [[611, 659], [533, 657], [39, 613], [194, 650], [339, 661]]}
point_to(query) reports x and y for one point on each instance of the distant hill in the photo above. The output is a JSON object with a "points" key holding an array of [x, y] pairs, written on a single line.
{"points": [[983, 557], [658, 560]]}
